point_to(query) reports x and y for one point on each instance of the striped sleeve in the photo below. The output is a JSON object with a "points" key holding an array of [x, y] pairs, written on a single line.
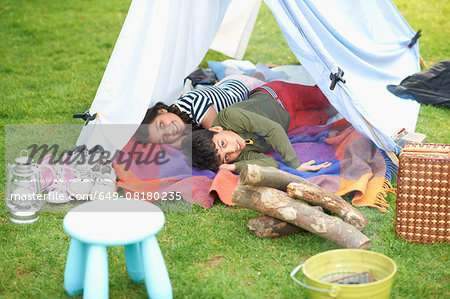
{"points": [[197, 102]]}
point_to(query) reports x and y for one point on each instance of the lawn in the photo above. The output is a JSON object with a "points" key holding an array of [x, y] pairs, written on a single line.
{"points": [[52, 58]]}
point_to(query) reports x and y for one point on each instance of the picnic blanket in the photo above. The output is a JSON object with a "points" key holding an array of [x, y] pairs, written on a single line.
{"points": [[359, 167], [149, 171], [152, 171]]}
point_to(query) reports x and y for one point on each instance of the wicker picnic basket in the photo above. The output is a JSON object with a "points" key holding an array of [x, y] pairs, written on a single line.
{"points": [[423, 193]]}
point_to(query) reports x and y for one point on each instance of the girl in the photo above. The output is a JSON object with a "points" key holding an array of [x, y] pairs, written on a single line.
{"points": [[166, 124]]}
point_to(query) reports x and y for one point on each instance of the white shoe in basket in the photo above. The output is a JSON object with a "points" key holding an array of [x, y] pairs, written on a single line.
{"points": [[105, 182], [58, 192]]}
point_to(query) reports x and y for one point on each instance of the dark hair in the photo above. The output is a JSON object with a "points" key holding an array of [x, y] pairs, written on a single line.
{"points": [[142, 133], [201, 150]]}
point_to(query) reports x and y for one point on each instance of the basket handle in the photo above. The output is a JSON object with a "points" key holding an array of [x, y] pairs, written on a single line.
{"points": [[333, 293], [433, 150]]}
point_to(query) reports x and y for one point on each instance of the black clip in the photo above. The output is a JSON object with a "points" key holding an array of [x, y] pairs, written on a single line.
{"points": [[336, 77], [84, 154], [83, 148], [79, 148], [415, 38], [97, 148], [86, 116]]}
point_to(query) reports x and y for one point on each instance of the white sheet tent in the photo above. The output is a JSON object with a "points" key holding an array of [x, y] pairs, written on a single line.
{"points": [[162, 41]]}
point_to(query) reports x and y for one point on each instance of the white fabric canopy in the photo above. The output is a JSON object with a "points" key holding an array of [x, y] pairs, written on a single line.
{"points": [[368, 41], [236, 28], [162, 41]]}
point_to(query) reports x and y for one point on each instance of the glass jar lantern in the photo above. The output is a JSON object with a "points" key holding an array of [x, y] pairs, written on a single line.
{"points": [[23, 196]]}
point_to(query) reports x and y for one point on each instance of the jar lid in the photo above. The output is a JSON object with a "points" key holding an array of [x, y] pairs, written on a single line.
{"points": [[23, 159]]}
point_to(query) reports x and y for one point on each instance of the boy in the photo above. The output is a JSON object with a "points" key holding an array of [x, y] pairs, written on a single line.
{"points": [[241, 133]]}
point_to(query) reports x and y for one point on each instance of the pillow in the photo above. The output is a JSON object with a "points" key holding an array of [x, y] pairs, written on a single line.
{"points": [[219, 67]]}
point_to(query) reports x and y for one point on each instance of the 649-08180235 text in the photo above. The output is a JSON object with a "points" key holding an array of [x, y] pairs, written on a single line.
{"points": [[155, 196], [151, 196]]}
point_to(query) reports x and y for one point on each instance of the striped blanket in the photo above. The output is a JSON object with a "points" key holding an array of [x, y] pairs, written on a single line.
{"points": [[359, 168]]}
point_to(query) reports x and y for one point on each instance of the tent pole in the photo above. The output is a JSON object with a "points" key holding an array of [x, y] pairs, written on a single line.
{"points": [[390, 154]]}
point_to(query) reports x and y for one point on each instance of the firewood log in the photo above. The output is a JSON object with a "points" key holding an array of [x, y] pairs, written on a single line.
{"points": [[336, 205], [264, 226], [306, 191], [278, 204], [273, 177], [268, 227]]}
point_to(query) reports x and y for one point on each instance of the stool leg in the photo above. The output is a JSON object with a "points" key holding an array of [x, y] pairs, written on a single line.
{"points": [[96, 278], [134, 262], [157, 279], [75, 266]]}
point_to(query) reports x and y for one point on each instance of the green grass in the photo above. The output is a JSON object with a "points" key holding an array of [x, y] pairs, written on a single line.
{"points": [[52, 58]]}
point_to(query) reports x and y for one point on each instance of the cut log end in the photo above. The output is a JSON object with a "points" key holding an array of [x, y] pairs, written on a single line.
{"points": [[366, 245], [250, 175]]}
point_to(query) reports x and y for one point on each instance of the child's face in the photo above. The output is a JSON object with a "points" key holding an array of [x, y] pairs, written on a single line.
{"points": [[167, 127], [228, 144]]}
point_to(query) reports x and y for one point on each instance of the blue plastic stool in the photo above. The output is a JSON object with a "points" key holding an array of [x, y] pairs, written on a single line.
{"points": [[95, 225]]}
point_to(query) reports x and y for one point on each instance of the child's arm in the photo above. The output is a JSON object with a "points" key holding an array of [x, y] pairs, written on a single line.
{"points": [[201, 104], [209, 117], [253, 158], [231, 167], [196, 104]]}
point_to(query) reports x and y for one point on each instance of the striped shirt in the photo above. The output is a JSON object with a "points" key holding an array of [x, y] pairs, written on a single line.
{"points": [[197, 102]]}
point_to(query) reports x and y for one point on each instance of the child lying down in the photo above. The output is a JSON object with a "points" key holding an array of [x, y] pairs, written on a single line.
{"points": [[241, 133], [167, 124]]}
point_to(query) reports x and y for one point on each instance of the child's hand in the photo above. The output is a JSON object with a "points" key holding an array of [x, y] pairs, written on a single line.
{"points": [[230, 167], [308, 166]]}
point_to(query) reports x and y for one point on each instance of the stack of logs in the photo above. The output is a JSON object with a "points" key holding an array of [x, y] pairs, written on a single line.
{"points": [[273, 192]]}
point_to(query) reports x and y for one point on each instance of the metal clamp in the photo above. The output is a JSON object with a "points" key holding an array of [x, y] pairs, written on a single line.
{"points": [[415, 38], [336, 77], [86, 116]]}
